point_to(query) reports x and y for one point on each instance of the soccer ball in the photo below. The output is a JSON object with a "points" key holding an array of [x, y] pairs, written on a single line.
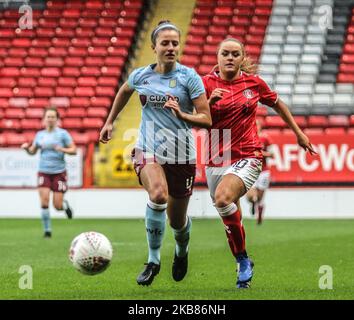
{"points": [[91, 252]]}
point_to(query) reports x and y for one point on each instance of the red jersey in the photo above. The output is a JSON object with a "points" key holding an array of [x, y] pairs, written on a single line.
{"points": [[237, 112], [265, 142]]}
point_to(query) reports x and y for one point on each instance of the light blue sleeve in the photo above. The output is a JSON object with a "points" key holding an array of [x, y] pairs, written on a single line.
{"points": [[36, 140], [67, 139], [195, 84], [132, 81]]}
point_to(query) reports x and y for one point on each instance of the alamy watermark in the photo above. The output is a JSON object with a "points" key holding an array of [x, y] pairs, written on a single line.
{"points": [[164, 145], [326, 278], [326, 19], [26, 278]]}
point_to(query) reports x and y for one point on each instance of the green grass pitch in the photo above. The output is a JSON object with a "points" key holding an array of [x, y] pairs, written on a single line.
{"points": [[287, 254]]}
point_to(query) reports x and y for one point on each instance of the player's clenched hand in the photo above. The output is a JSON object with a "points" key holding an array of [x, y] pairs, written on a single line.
{"points": [[217, 95], [305, 143], [106, 133], [173, 105], [25, 145]]}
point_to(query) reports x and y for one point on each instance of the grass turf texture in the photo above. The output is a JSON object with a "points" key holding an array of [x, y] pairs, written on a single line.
{"points": [[287, 256]]}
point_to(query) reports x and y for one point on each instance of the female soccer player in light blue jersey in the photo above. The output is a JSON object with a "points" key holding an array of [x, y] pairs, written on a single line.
{"points": [[173, 100], [54, 143]]}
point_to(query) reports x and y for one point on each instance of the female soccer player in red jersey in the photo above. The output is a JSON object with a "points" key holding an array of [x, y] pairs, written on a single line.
{"points": [[233, 92]]}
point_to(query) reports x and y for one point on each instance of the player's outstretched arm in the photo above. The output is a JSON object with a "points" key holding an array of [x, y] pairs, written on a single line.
{"points": [[29, 148], [119, 103], [282, 109]]}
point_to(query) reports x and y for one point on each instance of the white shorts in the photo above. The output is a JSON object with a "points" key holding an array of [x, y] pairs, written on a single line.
{"points": [[247, 170], [263, 180]]}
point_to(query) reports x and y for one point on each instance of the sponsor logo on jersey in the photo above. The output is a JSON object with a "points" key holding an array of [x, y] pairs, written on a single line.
{"points": [[158, 101]]}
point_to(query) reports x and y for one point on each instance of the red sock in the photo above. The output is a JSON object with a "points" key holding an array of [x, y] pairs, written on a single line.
{"points": [[235, 232]]}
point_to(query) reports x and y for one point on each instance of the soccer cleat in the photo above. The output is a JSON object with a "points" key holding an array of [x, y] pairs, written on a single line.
{"points": [[47, 234], [68, 210], [146, 277], [179, 267], [245, 273]]}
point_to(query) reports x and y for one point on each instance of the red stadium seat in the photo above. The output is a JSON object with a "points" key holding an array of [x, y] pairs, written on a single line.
{"points": [[87, 81], [74, 61], [314, 131], [92, 123], [31, 124], [10, 124], [100, 102], [53, 62], [64, 91], [107, 81], [223, 11], [84, 91], [8, 82], [97, 112], [81, 42], [80, 138], [38, 102], [274, 122], [94, 61], [72, 123], [34, 61], [47, 82], [317, 121], [76, 112], [79, 102], [67, 81], [205, 69], [34, 113], [51, 72], [335, 131], [301, 121], [105, 92], [15, 139], [44, 92], [91, 71], [338, 121], [22, 92], [14, 113], [190, 61]]}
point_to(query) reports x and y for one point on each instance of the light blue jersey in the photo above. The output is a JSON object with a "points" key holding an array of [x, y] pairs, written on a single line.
{"points": [[161, 133], [52, 161]]}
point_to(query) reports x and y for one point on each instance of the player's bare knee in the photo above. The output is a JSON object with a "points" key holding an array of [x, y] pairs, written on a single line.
{"points": [[159, 195], [223, 199]]}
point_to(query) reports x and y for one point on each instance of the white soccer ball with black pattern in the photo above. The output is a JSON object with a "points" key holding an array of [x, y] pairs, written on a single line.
{"points": [[91, 252]]}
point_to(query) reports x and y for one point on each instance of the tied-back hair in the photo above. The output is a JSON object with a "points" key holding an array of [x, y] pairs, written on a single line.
{"points": [[247, 65], [51, 108], [163, 25]]}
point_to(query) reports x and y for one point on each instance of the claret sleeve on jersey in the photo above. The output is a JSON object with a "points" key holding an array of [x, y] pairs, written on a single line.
{"points": [[195, 84], [267, 95]]}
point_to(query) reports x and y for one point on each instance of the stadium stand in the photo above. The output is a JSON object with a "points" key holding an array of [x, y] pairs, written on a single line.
{"points": [[308, 64], [73, 58]]}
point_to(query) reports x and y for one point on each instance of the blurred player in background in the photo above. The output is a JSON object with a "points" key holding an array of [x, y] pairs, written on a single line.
{"points": [[256, 194], [169, 92], [234, 91], [54, 143]]}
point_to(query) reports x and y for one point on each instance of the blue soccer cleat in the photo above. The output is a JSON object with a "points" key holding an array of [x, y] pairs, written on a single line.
{"points": [[245, 272]]}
